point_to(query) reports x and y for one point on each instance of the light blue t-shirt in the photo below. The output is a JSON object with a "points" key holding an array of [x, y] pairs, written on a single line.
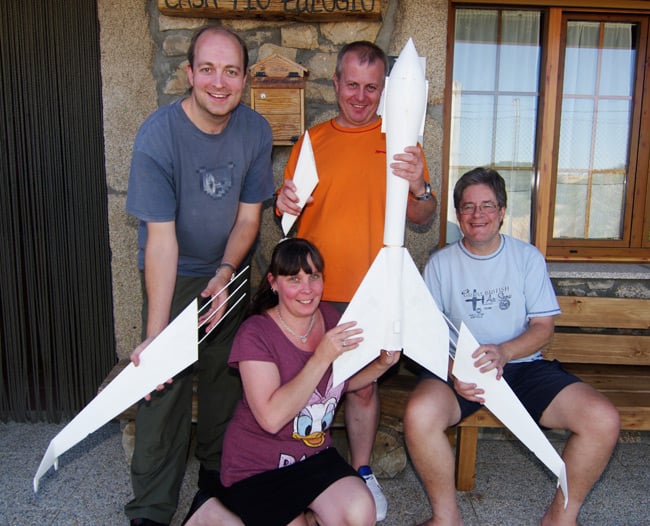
{"points": [[181, 174], [494, 295]]}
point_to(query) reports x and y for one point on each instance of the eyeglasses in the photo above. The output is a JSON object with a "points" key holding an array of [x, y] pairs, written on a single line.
{"points": [[488, 207]]}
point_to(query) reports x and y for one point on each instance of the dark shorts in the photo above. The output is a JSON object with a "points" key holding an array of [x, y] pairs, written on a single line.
{"points": [[275, 498], [535, 383]]}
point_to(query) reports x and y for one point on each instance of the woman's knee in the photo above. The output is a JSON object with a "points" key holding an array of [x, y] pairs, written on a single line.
{"points": [[346, 502], [361, 511]]}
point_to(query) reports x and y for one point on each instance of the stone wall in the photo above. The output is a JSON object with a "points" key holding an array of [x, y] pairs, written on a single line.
{"points": [[607, 288], [143, 59]]}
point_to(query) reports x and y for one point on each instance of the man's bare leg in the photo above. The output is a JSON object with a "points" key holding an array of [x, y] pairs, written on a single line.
{"points": [[362, 410], [361, 423], [594, 424], [431, 409]]}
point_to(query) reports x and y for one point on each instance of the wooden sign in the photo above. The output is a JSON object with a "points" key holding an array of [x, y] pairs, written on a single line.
{"points": [[303, 10]]}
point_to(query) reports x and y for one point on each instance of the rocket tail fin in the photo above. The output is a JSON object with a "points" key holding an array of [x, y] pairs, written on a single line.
{"points": [[396, 312]]}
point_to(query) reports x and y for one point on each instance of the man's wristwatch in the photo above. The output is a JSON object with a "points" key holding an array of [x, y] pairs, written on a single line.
{"points": [[427, 195]]}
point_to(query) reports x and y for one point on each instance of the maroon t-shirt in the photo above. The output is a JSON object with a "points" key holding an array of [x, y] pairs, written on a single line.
{"points": [[248, 449]]}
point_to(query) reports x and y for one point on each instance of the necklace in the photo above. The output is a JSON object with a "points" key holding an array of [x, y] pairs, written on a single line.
{"points": [[302, 338]]}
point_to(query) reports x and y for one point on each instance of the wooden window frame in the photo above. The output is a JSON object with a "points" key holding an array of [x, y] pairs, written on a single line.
{"points": [[636, 245]]}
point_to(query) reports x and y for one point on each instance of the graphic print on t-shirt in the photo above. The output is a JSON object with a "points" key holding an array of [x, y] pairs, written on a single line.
{"points": [[217, 182], [481, 302], [311, 423]]}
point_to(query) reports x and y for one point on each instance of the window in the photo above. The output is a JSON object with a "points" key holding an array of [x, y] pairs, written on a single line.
{"points": [[553, 99]]}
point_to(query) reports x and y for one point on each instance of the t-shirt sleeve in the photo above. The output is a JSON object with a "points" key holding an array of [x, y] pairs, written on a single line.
{"points": [[432, 280], [250, 344], [151, 193], [540, 296], [258, 185], [151, 196]]}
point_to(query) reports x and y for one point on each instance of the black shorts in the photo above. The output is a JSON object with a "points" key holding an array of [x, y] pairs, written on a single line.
{"points": [[276, 497], [535, 383]]}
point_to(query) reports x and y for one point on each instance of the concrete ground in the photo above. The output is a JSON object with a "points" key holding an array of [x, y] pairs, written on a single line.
{"points": [[512, 486]]}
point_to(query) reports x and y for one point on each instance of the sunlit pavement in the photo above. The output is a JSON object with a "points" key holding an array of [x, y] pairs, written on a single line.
{"points": [[512, 486]]}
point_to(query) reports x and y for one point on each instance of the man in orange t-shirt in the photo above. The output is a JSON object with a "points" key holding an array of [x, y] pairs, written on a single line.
{"points": [[344, 217]]}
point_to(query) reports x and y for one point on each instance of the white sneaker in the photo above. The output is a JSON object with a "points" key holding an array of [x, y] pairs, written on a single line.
{"points": [[381, 504]]}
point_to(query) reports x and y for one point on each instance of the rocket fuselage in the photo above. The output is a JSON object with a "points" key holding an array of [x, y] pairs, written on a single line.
{"points": [[405, 104]]}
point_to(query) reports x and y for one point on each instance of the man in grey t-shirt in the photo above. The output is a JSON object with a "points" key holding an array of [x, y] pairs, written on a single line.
{"points": [[200, 171]]}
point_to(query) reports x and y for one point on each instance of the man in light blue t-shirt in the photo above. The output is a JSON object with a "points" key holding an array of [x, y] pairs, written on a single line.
{"points": [[499, 287], [201, 169]]}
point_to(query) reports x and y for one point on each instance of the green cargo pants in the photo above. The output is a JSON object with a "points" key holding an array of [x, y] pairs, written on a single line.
{"points": [[163, 425]]}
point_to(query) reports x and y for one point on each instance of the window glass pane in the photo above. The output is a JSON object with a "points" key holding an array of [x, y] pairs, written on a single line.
{"points": [[519, 53], [594, 131], [576, 125], [619, 58], [607, 199], [472, 129], [518, 185], [494, 106], [612, 134], [570, 204], [581, 58], [475, 49], [515, 130]]}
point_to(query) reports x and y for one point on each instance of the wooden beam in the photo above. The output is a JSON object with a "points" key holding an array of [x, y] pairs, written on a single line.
{"points": [[599, 348], [302, 10], [595, 311]]}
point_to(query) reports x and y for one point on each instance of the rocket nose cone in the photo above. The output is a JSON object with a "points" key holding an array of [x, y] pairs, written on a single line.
{"points": [[408, 49], [408, 63]]}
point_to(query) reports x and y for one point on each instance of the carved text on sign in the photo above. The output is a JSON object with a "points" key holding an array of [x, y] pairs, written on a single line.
{"points": [[314, 10]]}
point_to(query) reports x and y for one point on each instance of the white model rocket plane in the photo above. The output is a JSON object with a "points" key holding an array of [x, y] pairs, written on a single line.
{"points": [[174, 349], [504, 404], [393, 305]]}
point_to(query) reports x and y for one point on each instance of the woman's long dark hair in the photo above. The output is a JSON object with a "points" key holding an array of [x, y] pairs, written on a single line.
{"points": [[289, 257]]}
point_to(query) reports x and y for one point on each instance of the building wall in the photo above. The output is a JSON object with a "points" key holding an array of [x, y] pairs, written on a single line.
{"points": [[143, 59], [129, 95]]}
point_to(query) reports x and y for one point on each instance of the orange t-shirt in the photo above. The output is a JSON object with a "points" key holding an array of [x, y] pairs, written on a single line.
{"points": [[346, 219]]}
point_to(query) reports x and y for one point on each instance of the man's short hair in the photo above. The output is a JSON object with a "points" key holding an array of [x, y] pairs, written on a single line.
{"points": [[366, 52], [485, 176], [216, 29]]}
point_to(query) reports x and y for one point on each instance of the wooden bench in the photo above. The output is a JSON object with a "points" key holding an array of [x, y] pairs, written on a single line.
{"points": [[605, 341]]}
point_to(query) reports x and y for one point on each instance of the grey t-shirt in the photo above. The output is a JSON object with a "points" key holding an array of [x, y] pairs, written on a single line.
{"points": [[494, 295], [179, 173]]}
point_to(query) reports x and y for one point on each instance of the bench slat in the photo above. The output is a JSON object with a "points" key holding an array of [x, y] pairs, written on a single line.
{"points": [[613, 377], [599, 348], [591, 311], [633, 407]]}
